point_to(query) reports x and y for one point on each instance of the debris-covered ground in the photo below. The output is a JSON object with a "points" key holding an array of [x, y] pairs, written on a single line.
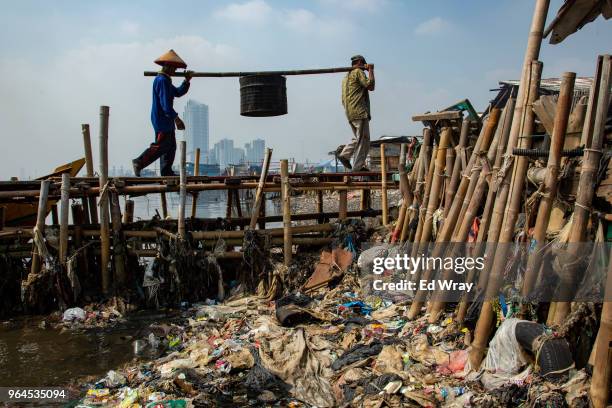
{"points": [[336, 346]]}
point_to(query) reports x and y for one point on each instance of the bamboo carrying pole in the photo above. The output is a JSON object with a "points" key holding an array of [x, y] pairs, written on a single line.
{"points": [[586, 183], [509, 199], [182, 189], [104, 222], [246, 73], [259, 194], [89, 166], [40, 222], [564, 106], [64, 211], [383, 172], [196, 172], [285, 192]]}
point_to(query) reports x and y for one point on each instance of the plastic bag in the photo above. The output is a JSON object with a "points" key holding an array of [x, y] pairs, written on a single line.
{"points": [[74, 313], [505, 354]]}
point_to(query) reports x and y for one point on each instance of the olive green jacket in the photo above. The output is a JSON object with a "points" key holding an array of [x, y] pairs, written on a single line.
{"points": [[355, 95]]}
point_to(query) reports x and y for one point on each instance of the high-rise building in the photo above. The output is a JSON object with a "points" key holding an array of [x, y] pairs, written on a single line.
{"points": [[196, 130], [255, 151], [224, 153]]}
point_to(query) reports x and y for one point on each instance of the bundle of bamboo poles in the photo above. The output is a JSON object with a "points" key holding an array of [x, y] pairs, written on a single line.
{"points": [[458, 183]]}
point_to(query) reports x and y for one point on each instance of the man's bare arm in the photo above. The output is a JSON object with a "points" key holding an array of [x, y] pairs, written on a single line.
{"points": [[371, 76]]}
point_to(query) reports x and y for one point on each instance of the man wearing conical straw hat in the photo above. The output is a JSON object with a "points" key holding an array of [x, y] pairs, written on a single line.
{"points": [[163, 116]]}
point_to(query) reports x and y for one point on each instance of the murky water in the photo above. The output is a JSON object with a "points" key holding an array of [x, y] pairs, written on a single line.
{"points": [[33, 356]]}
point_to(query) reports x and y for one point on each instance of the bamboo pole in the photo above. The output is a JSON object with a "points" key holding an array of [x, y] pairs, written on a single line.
{"points": [[422, 173], [247, 73], [448, 174], [228, 204], [78, 218], [460, 163], [564, 106], [506, 122], [274, 232], [104, 222], [164, 205], [65, 210], [602, 353], [320, 205], [2, 217], [343, 203], [285, 192], [405, 190], [259, 192], [196, 172], [383, 172], [482, 143], [586, 183], [118, 250], [472, 203], [509, 199], [183, 189], [40, 222], [128, 213], [54, 216], [93, 207], [262, 212], [423, 206]]}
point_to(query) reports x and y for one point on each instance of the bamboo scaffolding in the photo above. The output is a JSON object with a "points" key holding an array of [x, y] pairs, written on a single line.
{"points": [[564, 105], [508, 201], [104, 208], [383, 171], [285, 193], [506, 121], [92, 216], [597, 115], [259, 194], [196, 172], [422, 171], [459, 164], [65, 211]]}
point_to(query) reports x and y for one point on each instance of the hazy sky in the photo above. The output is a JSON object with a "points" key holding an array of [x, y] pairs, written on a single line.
{"points": [[61, 60]]}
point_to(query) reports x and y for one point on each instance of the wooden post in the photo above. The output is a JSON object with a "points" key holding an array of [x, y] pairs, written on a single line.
{"points": [[228, 204], [196, 172], [320, 205], [104, 222], [588, 175], [237, 203], [285, 193], [54, 215], [508, 199], [343, 202], [89, 166], [120, 277], [262, 212], [564, 106], [78, 218], [40, 222], [183, 189], [65, 211], [164, 205], [383, 172], [128, 213], [260, 186]]}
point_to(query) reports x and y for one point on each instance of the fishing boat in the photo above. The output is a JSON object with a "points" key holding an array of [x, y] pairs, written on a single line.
{"points": [[24, 214]]}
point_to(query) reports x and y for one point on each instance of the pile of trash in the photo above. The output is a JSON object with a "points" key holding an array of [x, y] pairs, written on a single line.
{"points": [[336, 346], [92, 315]]}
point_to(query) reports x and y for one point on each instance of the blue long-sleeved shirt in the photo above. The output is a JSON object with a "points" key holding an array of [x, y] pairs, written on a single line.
{"points": [[162, 110]]}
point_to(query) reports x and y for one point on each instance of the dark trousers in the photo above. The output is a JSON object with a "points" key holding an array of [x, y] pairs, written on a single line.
{"points": [[164, 149]]}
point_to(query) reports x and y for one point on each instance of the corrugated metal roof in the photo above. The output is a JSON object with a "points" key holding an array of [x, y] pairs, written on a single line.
{"points": [[582, 84]]}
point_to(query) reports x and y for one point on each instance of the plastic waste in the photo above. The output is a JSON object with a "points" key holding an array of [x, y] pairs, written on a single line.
{"points": [[74, 314], [114, 379], [153, 341]]}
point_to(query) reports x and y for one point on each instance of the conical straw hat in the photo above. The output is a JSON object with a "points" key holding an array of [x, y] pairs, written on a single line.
{"points": [[171, 58]]}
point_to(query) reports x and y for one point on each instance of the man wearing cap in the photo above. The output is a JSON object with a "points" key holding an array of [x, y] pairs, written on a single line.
{"points": [[356, 101], [163, 116]]}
